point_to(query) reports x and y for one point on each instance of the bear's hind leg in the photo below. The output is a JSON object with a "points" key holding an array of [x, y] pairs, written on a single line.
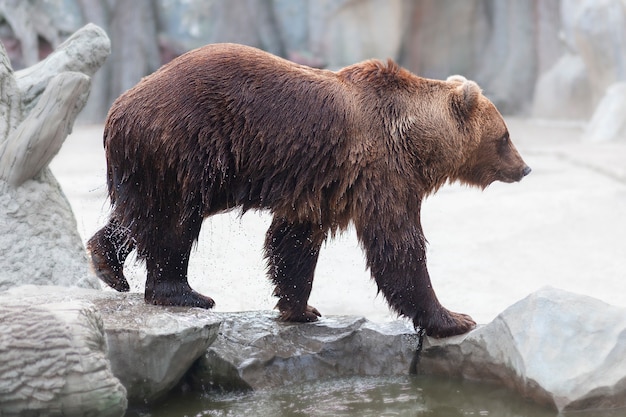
{"points": [[108, 249], [291, 250], [167, 261]]}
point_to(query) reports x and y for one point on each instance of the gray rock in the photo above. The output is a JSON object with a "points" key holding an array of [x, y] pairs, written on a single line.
{"points": [[54, 360], [254, 350], [609, 121], [149, 347], [84, 52], [557, 348], [40, 104], [554, 347]]}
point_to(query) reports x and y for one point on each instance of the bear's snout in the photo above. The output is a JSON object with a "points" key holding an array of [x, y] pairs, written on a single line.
{"points": [[512, 175], [521, 174]]}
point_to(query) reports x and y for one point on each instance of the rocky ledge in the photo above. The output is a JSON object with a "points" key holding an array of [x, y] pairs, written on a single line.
{"points": [[90, 352]]}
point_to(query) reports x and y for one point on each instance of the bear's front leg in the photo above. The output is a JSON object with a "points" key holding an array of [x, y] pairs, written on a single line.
{"points": [[166, 282], [291, 250], [396, 255]]}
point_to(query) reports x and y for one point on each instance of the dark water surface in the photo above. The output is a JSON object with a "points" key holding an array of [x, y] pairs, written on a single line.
{"points": [[415, 396]]}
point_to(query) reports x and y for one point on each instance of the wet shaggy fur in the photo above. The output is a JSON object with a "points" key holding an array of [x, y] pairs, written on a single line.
{"points": [[227, 126]]}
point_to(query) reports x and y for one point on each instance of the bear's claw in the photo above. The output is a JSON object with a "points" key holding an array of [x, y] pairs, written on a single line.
{"points": [[113, 277], [310, 314], [446, 323]]}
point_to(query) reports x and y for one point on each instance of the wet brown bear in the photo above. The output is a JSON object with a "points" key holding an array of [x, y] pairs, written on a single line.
{"points": [[228, 126]]}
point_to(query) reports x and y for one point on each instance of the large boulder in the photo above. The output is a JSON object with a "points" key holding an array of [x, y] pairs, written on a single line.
{"points": [[554, 347]]}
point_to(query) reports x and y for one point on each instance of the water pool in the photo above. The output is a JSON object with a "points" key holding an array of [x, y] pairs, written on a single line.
{"points": [[415, 396]]}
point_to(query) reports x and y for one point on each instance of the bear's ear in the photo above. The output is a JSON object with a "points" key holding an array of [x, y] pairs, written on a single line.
{"points": [[456, 78], [464, 96]]}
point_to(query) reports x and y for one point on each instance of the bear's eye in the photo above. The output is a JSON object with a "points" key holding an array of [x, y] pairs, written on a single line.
{"points": [[503, 143]]}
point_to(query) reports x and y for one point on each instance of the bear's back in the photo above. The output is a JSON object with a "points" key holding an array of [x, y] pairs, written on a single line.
{"points": [[230, 75], [233, 119], [227, 84]]}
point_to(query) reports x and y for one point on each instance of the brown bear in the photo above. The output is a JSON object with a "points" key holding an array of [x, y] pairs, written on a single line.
{"points": [[228, 126]]}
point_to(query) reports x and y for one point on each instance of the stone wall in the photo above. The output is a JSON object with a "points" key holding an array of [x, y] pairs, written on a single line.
{"points": [[548, 58]]}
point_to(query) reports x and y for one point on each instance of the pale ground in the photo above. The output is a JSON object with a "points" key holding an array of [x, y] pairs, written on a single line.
{"points": [[562, 226]]}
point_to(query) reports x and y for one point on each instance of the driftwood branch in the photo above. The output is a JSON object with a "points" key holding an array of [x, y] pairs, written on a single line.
{"points": [[39, 137], [38, 105]]}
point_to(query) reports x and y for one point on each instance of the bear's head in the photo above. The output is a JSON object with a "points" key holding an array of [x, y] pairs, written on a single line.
{"points": [[491, 155]]}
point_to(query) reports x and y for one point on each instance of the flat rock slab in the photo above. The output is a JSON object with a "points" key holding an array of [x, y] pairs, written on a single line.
{"points": [[149, 347], [558, 348], [255, 350]]}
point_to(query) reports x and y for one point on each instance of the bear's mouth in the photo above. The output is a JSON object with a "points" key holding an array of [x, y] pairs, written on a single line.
{"points": [[517, 176]]}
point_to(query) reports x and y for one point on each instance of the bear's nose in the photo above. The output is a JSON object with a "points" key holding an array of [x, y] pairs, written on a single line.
{"points": [[526, 170]]}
